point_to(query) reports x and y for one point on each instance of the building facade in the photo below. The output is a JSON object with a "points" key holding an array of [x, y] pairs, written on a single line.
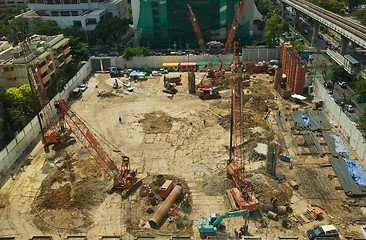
{"points": [[165, 24], [50, 54], [12, 3], [81, 13]]}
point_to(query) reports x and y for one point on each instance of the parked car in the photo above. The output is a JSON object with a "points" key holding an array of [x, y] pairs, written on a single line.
{"points": [[329, 42], [349, 108], [83, 87], [320, 36], [113, 54], [306, 31], [323, 231], [156, 73], [163, 71]]}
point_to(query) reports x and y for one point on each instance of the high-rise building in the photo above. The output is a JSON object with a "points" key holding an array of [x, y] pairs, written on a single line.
{"points": [[50, 54], [81, 13], [165, 24]]}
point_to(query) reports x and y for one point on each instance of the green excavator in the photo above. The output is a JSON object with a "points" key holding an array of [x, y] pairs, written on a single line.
{"points": [[209, 225]]}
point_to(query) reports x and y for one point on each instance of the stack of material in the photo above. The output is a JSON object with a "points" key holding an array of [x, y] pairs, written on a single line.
{"points": [[317, 120], [298, 120], [249, 66]]}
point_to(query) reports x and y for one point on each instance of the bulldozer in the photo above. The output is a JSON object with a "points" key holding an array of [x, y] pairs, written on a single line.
{"points": [[169, 86]]}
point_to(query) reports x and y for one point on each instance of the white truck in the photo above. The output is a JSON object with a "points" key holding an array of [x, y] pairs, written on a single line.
{"points": [[323, 231]]}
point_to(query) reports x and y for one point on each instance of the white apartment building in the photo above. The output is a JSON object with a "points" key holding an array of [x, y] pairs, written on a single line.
{"points": [[82, 13]]}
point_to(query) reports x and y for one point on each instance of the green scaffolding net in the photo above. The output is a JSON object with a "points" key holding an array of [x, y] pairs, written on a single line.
{"points": [[166, 25]]}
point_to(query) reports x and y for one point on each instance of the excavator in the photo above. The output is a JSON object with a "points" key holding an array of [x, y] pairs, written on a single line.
{"points": [[210, 225], [124, 177], [169, 86]]}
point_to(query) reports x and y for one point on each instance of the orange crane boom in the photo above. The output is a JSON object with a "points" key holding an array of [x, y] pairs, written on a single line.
{"points": [[122, 177]]}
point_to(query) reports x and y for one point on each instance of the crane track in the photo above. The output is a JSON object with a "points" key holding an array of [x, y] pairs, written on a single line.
{"points": [[350, 26]]}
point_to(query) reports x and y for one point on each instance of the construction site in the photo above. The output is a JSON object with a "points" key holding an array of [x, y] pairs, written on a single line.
{"points": [[187, 155]]}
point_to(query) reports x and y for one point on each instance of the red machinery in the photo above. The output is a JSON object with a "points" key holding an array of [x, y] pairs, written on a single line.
{"points": [[57, 130], [123, 177], [242, 190], [220, 71]]}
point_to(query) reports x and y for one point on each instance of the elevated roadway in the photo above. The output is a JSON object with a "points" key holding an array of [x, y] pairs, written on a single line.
{"points": [[349, 30]]}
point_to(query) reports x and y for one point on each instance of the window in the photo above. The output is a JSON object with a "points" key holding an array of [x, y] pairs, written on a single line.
{"points": [[39, 1], [49, 1], [12, 79], [83, 1], [155, 4], [77, 23], [156, 20], [74, 1], [155, 12], [91, 21], [66, 1], [55, 14], [57, 1], [6, 69], [65, 13], [109, 15], [74, 13], [32, 1]]}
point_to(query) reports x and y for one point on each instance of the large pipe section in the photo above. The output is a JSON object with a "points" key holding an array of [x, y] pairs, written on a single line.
{"points": [[165, 206]]}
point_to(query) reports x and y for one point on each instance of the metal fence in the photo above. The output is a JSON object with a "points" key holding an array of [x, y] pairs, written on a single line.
{"points": [[31, 132], [352, 134]]}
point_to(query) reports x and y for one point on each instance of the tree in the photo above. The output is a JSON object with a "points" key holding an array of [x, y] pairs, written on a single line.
{"points": [[76, 32], [331, 5], [361, 15], [18, 25], [44, 27], [298, 46], [131, 52], [264, 6], [111, 30], [354, 3], [274, 27], [78, 49], [21, 107], [360, 83]]}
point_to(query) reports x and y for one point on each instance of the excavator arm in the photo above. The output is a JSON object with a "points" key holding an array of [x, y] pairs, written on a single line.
{"points": [[240, 213]]}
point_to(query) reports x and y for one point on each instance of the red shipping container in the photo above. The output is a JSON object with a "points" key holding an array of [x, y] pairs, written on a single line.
{"points": [[166, 188]]}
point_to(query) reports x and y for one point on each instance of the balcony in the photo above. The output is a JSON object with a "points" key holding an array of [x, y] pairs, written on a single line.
{"points": [[68, 59], [59, 64], [66, 50], [58, 55], [46, 78], [8, 74], [43, 69]]}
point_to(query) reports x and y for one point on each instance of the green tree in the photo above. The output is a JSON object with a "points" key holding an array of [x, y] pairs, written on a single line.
{"points": [[331, 5], [361, 15], [298, 46], [131, 52], [274, 27], [360, 83], [75, 32], [21, 107], [354, 3], [78, 49], [6, 15], [264, 6], [44, 27], [110, 30], [18, 25]]}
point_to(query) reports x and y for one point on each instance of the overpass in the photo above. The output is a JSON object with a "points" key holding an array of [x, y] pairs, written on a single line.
{"points": [[349, 30]]}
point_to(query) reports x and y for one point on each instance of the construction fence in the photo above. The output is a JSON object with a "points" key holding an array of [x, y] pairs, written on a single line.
{"points": [[351, 133], [32, 131]]}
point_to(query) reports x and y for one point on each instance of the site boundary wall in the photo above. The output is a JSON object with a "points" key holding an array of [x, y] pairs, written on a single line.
{"points": [[32, 131], [260, 54], [351, 133]]}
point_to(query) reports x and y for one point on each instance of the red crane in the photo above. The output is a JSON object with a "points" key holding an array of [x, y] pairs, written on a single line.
{"points": [[242, 190], [199, 37], [220, 71], [124, 176], [57, 131]]}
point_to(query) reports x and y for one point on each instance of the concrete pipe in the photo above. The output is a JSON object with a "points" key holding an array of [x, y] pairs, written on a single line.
{"points": [[152, 199], [160, 180], [272, 215], [267, 207], [144, 191], [281, 210], [165, 206], [293, 184]]}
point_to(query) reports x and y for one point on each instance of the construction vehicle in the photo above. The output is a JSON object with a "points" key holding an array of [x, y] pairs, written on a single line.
{"points": [[115, 84], [53, 131], [210, 225], [242, 189], [123, 177], [169, 86], [208, 93]]}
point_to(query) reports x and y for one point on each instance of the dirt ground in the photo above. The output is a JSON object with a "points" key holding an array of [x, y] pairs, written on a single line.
{"points": [[63, 192]]}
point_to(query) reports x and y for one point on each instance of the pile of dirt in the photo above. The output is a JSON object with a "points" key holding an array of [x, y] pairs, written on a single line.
{"points": [[265, 187], [157, 122], [225, 121], [106, 94], [215, 185]]}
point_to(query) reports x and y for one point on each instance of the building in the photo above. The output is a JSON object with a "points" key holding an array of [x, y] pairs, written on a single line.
{"points": [[81, 13], [165, 24], [12, 3], [50, 54]]}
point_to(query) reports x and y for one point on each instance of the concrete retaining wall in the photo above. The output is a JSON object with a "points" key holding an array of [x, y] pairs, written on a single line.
{"points": [[353, 135], [31, 132]]}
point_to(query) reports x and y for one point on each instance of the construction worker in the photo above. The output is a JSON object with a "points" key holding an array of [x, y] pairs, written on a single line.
{"points": [[12, 175], [120, 119]]}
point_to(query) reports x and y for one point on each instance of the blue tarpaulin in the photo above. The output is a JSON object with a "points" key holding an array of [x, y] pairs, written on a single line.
{"points": [[306, 120], [356, 171], [340, 146]]}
